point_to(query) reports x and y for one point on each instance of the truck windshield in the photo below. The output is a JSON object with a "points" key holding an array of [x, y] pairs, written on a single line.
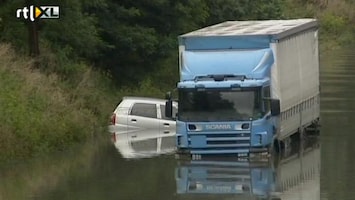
{"points": [[219, 105]]}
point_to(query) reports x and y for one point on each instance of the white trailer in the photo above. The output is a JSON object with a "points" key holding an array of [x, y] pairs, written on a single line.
{"points": [[295, 77]]}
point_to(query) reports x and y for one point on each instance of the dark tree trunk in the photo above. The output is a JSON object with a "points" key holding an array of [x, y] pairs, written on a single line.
{"points": [[32, 34], [33, 39]]}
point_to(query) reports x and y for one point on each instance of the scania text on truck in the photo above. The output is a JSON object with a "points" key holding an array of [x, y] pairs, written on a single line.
{"points": [[246, 85]]}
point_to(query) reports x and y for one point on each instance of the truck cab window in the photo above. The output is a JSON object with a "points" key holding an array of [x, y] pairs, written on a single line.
{"points": [[219, 105]]}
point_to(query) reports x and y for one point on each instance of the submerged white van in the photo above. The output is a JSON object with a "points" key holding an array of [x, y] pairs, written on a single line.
{"points": [[134, 114]]}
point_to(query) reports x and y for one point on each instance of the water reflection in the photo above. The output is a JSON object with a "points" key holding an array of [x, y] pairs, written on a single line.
{"points": [[144, 144], [295, 176], [338, 127], [103, 174]]}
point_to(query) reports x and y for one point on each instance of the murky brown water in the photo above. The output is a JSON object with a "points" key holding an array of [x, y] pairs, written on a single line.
{"points": [[322, 169], [338, 125]]}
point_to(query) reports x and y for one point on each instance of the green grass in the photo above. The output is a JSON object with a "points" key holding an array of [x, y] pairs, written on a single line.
{"points": [[336, 19], [44, 112], [40, 113]]}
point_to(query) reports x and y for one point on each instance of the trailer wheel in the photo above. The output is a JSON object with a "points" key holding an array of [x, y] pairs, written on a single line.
{"points": [[287, 146], [274, 152]]}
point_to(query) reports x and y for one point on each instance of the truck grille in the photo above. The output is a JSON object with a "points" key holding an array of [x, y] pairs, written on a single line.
{"points": [[220, 141]]}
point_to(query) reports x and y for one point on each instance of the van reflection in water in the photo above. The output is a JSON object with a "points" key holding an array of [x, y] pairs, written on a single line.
{"points": [[144, 144], [293, 176]]}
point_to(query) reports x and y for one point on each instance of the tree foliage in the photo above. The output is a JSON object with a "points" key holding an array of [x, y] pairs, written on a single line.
{"points": [[143, 32], [130, 39], [222, 10]]}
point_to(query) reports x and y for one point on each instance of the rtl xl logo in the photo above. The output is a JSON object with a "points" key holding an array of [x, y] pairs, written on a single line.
{"points": [[34, 12]]}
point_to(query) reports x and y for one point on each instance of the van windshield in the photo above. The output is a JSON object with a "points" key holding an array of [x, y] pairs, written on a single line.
{"points": [[219, 105]]}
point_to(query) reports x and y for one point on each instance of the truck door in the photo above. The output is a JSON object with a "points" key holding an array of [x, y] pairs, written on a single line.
{"points": [[143, 117], [269, 122]]}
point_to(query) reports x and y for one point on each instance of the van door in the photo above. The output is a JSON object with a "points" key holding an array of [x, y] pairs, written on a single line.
{"points": [[167, 126], [167, 131], [142, 117]]}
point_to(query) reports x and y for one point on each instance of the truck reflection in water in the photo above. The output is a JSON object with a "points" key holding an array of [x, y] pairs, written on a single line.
{"points": [[144, 144], [292, 176]]}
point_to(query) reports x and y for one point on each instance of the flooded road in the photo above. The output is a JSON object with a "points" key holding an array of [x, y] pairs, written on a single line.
{"points": [[147, 169], [338, 125]]}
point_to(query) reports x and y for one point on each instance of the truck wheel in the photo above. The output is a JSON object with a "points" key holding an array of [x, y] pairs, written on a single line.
{"points": [[274, 152], [287, 146], [275, 147]]}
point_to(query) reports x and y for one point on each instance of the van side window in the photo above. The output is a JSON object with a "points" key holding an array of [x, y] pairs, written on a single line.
{"points": [[162, 110], [144, 110]]}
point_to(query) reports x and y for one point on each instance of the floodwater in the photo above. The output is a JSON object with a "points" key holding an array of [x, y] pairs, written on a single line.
{"points": [[321, 168], [338, 125]]}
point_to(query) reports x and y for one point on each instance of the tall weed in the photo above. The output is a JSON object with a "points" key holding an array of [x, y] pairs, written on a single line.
{"points": [[41, 112]]}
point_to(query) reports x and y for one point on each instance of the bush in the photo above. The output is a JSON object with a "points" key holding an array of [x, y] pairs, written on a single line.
{"points": [[40, 113]]}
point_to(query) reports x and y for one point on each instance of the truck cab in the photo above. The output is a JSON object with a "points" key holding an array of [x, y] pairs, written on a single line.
{"points": [[229, 109]]}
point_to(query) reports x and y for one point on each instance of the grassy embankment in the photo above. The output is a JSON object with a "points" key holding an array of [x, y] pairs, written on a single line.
{"points": [[42, 113], [336, 17], [39, 113]]}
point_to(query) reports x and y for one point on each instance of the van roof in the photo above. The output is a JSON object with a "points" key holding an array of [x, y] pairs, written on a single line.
{"points": [[143, 98]]}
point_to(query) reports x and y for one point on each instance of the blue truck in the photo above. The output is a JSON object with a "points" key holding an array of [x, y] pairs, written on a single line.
{"points": [[246, 86]]}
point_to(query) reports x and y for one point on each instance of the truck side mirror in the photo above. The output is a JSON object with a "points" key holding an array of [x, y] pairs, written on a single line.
{"points": [[169, 108], [275, 107]]}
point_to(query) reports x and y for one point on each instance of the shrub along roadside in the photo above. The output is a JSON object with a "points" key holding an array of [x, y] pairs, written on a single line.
{"points": [[335, 18], [41, 113], [45, 112]]}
